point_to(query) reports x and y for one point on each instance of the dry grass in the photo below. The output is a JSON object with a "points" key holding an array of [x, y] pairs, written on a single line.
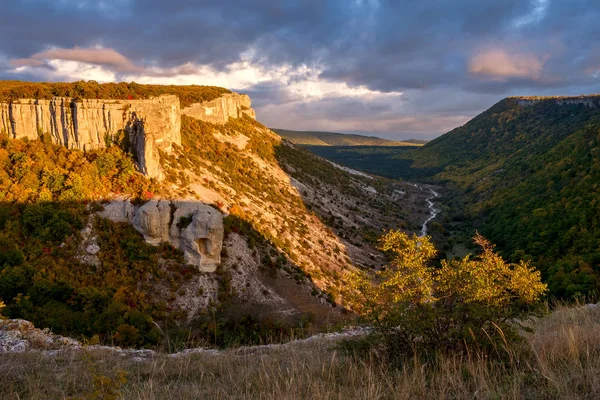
{"points": [[559, 360]]}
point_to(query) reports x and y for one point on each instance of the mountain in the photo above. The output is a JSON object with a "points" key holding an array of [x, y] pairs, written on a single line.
{"points": [[313, 138], [145, 215], [416, 141], [529, 168]]}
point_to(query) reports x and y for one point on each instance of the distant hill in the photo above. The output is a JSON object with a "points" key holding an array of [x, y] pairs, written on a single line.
{"points": [[416, 141], [530, 168], [314, 138]]}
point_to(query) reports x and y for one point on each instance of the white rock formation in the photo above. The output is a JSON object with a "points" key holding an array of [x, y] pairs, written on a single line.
{"points": [[191, 226], [219, 110], [151, 125]]}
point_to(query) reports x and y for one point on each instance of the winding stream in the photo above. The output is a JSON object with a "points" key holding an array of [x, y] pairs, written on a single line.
{"points": [[433, 212]]}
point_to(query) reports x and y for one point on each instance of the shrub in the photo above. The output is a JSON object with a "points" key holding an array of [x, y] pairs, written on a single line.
{"points": [[127, 336], [418, 308]]}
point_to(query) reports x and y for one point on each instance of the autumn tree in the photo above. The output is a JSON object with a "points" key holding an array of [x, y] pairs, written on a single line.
{"points": [[417, 307]]}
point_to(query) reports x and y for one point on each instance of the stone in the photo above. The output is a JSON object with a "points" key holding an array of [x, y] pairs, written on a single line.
{"points": [[88, 247], [18, 336], [153, 220], [92, 249], [202, 239], [191, 226], [118, 210], [219, 110]]}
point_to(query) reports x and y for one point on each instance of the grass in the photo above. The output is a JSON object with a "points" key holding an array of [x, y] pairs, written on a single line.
{"points": [[560, 359]]}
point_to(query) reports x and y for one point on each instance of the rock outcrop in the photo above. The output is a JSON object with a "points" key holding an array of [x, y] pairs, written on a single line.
{"points": [[193, 227], [219, 110], [591, 101], [150, 125], [88, 124], [18, 336]]}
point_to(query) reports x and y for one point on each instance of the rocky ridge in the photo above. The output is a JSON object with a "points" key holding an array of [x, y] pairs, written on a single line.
{"points": [[219, 110], [151, 125], [20, 336], [590, 101]]}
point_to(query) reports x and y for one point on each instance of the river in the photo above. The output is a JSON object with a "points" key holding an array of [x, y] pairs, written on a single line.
{"points": [[433, 212]]}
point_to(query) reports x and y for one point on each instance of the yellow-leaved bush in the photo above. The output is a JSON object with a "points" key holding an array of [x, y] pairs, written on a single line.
{"points": [[417, 305]]}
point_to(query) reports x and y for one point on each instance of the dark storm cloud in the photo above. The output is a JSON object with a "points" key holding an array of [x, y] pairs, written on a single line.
{"points": [[451, 58]]}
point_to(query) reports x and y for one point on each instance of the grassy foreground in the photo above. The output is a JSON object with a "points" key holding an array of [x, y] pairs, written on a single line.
{"points": [[559, 359]]}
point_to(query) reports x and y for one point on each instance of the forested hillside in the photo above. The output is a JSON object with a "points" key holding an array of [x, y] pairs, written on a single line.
{"points": [[387, 161], [531, 172], [48, 194]]}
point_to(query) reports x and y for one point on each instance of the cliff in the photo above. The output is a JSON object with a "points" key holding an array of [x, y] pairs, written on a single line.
{"points": [[91, 124], [151, 125], [219, 110], [590, 101]]}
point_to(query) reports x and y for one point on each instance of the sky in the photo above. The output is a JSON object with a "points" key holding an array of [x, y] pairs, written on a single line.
{"points": [[395, 69]]}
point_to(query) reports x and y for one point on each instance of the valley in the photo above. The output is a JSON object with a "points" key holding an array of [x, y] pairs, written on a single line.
{"points": [[231, 234], [523, 173], [198, 233], [296, 200], [271, 231]]}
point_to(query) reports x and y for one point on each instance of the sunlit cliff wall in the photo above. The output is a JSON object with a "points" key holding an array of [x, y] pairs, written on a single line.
{"points": [[151, 125]]}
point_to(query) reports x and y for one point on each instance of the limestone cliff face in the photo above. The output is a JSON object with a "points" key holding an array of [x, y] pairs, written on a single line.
{"points": [[218, 111], [151, 125], [91, 124], [193, 227], [592, 101]]}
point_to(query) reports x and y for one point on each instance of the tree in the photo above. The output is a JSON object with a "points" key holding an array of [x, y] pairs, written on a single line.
{"points": [[416, 307]]}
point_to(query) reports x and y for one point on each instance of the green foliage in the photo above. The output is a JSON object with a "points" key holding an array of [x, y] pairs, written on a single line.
{"points": [[13, 90], [45, 195], [387, 161], [47, 284], [419, 308], [223, 331], [531, 176], [184, 222]]}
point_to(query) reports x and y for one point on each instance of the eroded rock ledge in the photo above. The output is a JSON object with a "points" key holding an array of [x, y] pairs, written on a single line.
{"points": [[150, 125], [590, 101], [191, 226], [219, 110]]}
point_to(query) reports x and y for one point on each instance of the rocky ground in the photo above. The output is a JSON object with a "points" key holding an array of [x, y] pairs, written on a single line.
{"points": [[20, 336]]}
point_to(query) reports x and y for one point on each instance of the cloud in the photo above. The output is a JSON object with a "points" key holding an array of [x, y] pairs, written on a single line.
{"points": [[96, 55], [500, 64], [27, 62], [314, 62]]}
